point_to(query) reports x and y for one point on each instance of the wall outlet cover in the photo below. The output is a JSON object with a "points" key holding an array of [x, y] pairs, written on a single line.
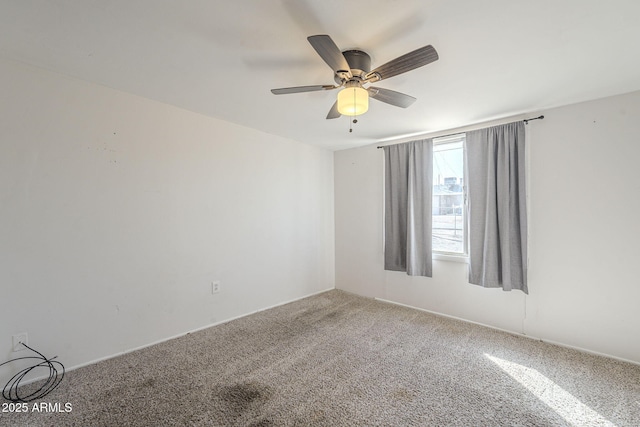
{"points": [[215, 286], [18, 339]]}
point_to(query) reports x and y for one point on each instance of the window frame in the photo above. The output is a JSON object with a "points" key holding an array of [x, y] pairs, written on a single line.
{"points": [[456, 256]]}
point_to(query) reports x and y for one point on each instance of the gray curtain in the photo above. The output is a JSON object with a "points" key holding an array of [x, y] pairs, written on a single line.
{"points": [[495, 159], [408, 187]]}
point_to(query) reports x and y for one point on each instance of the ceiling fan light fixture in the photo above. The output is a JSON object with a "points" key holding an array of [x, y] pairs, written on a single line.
{"points": [[353, 101], [352, 69]]}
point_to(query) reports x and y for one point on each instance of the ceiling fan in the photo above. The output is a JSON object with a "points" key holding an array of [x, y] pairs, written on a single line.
{"points": [[352, 70]]}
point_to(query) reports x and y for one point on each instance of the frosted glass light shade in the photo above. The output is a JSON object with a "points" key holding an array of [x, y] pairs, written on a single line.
{"points": [[353, 101]]}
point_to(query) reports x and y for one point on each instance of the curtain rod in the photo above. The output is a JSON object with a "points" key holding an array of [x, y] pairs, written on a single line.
{"points": [[526, 122]]}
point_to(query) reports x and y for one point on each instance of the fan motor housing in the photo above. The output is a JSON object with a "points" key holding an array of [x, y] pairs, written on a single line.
{"points": [[359, 62]]}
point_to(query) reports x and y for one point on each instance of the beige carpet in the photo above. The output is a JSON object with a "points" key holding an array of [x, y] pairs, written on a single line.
{"points": [[336, 359]]}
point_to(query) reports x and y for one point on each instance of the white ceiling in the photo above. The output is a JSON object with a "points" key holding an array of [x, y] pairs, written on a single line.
{"points": [[221, 57]]}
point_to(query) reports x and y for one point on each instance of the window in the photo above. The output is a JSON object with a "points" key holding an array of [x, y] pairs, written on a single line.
{"points": [[448, 207]]}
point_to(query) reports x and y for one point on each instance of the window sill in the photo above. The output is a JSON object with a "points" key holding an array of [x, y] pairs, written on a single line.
{"points": [[451, 257]]}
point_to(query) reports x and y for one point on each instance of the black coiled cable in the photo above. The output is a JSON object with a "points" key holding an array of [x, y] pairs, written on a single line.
{"points": [[10, 390]]}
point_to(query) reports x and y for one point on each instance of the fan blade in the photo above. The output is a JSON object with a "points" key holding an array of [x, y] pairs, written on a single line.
{"points": [[298, 89], [333, 113], [327, 49], [391, 97], [410, 61]]}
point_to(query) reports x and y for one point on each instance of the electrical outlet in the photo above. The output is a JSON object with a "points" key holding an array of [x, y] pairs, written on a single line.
{"points": [[215, 286], [18, 339]]}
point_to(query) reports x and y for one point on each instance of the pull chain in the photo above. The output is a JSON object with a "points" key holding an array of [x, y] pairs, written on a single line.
{"points": [[353, 116]]}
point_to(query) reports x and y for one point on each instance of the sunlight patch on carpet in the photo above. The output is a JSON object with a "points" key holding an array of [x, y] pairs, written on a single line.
{"points": [[562, 402]]}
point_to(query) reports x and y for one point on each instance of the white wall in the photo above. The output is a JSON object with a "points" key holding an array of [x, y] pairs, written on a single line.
{"points": [[584, 211], [116, 213]]}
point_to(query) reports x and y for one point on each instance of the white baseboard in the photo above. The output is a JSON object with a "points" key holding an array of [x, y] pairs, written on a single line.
{"points": [[131, 350], [584, 350]]}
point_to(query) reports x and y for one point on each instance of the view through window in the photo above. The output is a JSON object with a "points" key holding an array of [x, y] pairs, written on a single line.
{"points": [[449, 234]]}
